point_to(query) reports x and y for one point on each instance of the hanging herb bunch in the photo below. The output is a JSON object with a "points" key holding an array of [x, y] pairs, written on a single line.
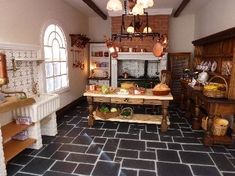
{"points": [[79, 40]]}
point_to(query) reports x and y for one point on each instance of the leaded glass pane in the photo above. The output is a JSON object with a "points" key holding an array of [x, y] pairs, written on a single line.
{"points": [[57, 82], [56, 68], [49, 69], [63, 68], [50, 84]]}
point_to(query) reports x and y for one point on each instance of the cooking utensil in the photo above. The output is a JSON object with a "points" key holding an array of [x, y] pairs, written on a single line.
{"points": [[158, 49]]}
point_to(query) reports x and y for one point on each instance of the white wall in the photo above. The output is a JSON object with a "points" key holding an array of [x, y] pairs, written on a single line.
{"points": [[22, 21], [181, 33], [214, 17], [98, 28]]}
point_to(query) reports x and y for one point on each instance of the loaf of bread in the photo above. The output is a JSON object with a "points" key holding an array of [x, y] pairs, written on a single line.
{"points": [[161, 87]]}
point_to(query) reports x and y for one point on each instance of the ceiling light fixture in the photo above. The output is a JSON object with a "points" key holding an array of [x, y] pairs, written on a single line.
{"points": [[114, 5], [135, 6], [147, 30], [130, 28], [145, 3], [138, 9]]}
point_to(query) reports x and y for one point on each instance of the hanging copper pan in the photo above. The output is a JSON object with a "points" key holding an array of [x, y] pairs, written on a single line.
{"points": [[158, 49]]}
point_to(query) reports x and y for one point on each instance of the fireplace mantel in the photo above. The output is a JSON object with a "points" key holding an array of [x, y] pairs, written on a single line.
{"points": [[139, 56]]}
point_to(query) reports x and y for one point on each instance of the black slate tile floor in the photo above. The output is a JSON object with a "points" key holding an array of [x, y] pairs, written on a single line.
{"points": [[122, 149]]}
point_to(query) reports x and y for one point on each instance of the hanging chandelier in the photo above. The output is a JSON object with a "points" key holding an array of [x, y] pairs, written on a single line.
{"points": [[135, 6]]}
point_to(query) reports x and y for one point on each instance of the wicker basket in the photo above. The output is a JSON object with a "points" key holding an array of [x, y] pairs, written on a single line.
{"points": [[107, 115], [217, 93], [204, 123], [127, 109], [219, 127]]}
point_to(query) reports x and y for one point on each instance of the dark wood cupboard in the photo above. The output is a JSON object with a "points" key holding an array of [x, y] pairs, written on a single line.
{"points": [[219, 48], [177, 62]]}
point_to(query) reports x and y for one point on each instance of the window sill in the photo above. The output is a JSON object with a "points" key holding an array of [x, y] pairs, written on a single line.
{"points": [[66, 89]]}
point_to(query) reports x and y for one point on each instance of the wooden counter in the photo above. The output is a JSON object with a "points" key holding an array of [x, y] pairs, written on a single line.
{"points": [[13, 103], [147, 99]]}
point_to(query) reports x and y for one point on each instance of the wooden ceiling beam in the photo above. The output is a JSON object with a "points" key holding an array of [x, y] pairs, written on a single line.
{"points": [[181, 7], [96, 9]]}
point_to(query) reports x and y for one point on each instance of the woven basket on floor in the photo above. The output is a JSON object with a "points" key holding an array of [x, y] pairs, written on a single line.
{"points": [[219, 127]]}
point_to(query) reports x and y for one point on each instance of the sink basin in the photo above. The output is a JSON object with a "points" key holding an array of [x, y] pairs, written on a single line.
{"points": [[45, 105]]}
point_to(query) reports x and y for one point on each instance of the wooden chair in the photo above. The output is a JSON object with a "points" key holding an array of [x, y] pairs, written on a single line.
{"points": [[166, 77]]}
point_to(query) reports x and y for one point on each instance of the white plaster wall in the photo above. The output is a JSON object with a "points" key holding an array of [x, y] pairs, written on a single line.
{"points": [[181, 33], [98, 28], [214, 17], [22, 21]]}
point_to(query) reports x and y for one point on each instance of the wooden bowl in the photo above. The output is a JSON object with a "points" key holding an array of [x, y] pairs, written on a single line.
{"points": [[159, 93]]}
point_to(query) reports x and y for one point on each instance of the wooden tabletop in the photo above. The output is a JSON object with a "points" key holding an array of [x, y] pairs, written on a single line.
{"points": [[147, 95]]}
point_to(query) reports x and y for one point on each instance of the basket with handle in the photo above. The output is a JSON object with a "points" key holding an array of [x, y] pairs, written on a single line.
{"points": [[216, 93], [219, 127], [126, 113]]}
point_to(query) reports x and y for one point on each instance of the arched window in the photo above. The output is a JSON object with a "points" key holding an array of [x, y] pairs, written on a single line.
{"points": [[55, 54]]}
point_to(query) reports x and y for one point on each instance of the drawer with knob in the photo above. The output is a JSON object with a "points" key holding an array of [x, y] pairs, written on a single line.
{"points": [[101, 99], [127, 101]]}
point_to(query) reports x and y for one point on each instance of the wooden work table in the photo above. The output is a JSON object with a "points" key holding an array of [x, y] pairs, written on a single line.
{"points": [[147, 99], [213, 107]]}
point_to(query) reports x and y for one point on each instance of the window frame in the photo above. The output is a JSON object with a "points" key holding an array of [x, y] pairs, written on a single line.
{"points": [[64, 41]]}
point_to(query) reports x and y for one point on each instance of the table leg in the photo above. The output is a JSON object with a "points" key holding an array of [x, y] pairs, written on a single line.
{"points": [[188, 113], [164, 125], [208, 140], [196, 125], [233, 134], [91, 118]]}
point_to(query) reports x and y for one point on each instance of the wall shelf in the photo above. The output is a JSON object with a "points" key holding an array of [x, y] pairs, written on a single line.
{"points": [[11, 129], [14, 147]]}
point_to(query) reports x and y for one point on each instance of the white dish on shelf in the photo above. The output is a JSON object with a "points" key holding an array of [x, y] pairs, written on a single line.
{"points": [[213, 66], [123, 92]]}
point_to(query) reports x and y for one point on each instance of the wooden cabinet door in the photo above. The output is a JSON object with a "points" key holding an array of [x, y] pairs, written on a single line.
{"points": [[177, 63]]}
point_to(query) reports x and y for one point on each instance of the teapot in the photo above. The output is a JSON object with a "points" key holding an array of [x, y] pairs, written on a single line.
{"points": [[203, 77]]}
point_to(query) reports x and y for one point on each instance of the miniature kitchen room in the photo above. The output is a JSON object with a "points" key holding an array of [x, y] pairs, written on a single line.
{"points": [[117, 87]]}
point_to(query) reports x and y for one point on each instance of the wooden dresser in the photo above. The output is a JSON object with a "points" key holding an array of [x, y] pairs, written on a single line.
{"points": [[219, 48]]}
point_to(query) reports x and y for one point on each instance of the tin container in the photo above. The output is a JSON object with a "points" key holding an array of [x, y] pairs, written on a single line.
{"points": [[3, 70]]}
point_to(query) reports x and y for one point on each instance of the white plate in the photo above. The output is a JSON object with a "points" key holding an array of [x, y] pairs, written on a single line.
{"points": [[122, 93], [214, 66]]}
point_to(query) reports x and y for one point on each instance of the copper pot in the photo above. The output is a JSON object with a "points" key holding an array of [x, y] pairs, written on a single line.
{"points": [[3, 69]]}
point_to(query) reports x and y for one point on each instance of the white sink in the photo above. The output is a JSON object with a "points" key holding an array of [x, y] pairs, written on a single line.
{"points": [[45, 105]]}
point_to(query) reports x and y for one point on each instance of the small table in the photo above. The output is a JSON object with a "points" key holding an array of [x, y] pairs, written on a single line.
{"points": [[147, 99]]}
